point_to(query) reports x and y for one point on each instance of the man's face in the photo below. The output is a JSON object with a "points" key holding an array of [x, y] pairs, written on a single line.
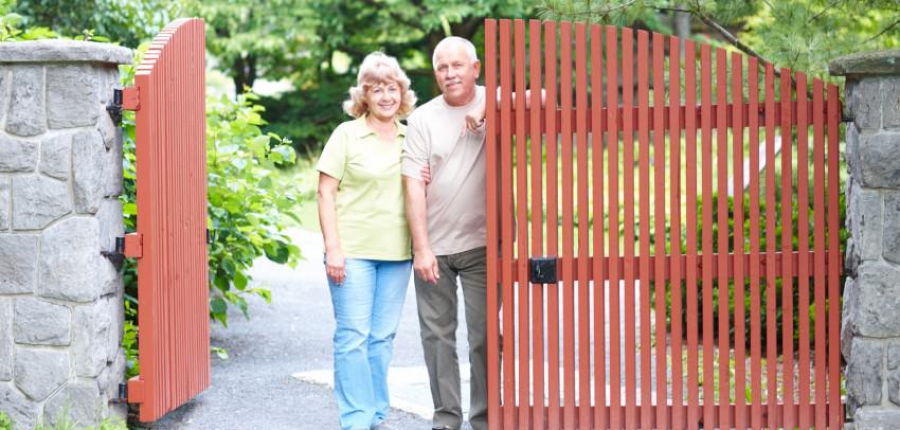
{"points": [[456, 73]]}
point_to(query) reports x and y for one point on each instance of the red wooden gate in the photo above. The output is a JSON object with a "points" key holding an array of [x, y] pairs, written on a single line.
{"points": [[682, 273], [169, 95]]}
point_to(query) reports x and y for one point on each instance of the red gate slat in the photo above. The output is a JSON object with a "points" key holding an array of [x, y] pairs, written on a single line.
{"points": [[628, 185], [675, 235], [706, 145], [521, 205], [771, 298], [787, 295], [568, 277], [612, 97], [659, 169], [820, 286], [506, 205], [755, 317], [600, 418], [537, 222], [737, 99], [803, 245], [690, 99], [644, 237], [834, 273], [552, 222], [722, 223], [584, 327], [492, 212]]}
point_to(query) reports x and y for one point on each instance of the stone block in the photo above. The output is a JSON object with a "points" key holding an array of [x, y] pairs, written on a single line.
{"points": [[42, 323], [21, 410], [848, 330], [877, 310], [79, 403], [88, 154], [56, 156], [890, 113], [109, 131], [17, 155], [851, 153], [109, 80], [892, 363], [38, 201], [26, 115], [70, 254], [111, 226], [6, 341], [866, 218], [863, 100], [72, 95], [5, 199], [18, 260], [4, 90], [877, 419], [863, 375], [877, 155], [112, 163], [117, 326], [90, 334], [64, 51], [891, 236], [40, 372], [115, 375]]}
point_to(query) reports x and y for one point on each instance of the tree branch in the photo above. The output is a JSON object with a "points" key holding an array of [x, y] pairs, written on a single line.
{"points": [[886, 29], [822, 12]]}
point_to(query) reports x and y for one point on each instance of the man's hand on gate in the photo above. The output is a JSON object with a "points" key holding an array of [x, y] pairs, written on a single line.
{"points": [[426, 266]]}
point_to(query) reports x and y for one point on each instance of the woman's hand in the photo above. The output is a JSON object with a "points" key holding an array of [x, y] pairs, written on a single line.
{"points": [[334, 266]]}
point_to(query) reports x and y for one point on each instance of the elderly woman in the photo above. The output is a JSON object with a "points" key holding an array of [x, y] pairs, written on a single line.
{"points": [[367, 240]]}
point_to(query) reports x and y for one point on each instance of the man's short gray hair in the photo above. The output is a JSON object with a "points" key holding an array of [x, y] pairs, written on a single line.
{"points": [[452, 40]]}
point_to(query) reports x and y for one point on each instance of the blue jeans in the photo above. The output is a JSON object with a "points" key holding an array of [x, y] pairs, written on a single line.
{"points": [[367, 309]]}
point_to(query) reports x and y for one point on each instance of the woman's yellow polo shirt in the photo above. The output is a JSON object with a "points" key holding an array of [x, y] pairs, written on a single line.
{"points": [[371, 216]]}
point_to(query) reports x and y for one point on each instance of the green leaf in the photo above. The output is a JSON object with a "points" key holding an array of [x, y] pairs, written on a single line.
{"points": [[240, 280], [218, 305]]}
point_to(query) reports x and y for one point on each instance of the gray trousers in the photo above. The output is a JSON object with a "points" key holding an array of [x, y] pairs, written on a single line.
{"points": [[438, 321]]}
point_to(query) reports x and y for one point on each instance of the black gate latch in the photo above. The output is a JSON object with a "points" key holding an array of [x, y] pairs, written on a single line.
{"points": [[542, 270]]}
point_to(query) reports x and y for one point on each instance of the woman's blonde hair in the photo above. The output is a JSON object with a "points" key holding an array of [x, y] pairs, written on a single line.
{"points": [[379, 68]]}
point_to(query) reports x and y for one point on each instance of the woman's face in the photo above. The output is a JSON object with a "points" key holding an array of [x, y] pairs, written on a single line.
{"points": [[383, 100]]}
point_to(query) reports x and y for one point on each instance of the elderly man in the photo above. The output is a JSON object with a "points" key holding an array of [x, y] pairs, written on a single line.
{"points": [[447, 222]]}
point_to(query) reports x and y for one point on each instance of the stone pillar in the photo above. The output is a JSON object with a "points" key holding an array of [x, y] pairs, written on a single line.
{"points": [[61, 310], [871, 314]]}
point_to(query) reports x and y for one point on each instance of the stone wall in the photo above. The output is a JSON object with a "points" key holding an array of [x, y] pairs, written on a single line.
{"points": [[61, 313], [871, 313]]}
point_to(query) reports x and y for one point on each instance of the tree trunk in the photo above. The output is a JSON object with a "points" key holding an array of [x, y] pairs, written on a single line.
{"points": [[244, 73], [682, 24]]}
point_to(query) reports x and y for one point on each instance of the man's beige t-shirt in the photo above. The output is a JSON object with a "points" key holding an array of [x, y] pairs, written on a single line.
{"points": [[437, 136]]}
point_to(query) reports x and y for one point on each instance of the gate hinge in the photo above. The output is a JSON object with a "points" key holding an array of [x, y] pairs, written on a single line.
{"points": [[542, 270], [130, 246], [114, 109], [123, 394], [131, 98], [135, 390], [133, 245]]}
